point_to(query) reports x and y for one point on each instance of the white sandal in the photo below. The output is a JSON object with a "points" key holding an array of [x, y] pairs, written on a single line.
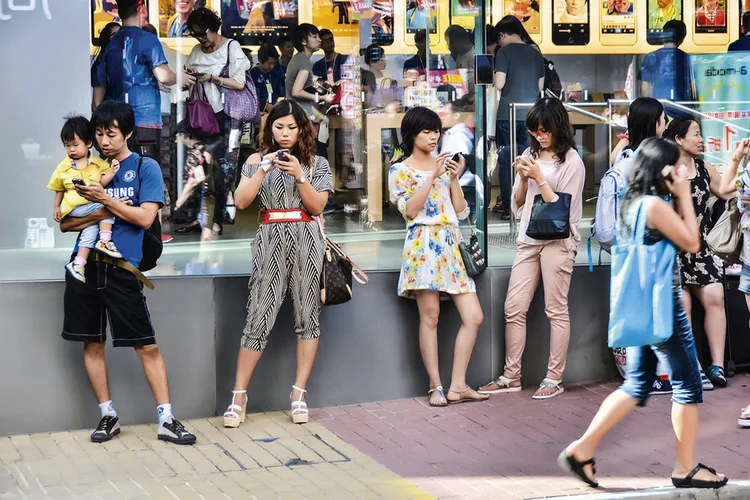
{"points": [[235, 414], [300, 414], [548, 383]]}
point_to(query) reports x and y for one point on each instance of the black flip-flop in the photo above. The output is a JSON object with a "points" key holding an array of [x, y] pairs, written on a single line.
{"points": [[573, 466], [689, 482], [194, 228]]}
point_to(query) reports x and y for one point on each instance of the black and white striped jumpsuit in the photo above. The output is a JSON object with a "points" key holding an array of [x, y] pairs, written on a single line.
{"points": [[286, 256]]}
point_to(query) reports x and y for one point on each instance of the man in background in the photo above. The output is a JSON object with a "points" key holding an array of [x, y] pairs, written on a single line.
{"points": [[267, 83], [329, 67], [665, 73], [743, 42], [286, 49]]}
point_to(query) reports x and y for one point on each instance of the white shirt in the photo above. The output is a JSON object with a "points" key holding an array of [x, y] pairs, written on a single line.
{"points": [[214, 62]]}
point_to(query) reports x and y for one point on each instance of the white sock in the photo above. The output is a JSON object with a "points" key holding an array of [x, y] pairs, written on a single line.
{"points": [[107, 408], [164, 412]]}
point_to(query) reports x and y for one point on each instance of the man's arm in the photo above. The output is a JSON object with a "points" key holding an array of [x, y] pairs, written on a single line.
{"points": [[142, 216], [80, 223], [98, 97], [165, 75], [500, 80]]}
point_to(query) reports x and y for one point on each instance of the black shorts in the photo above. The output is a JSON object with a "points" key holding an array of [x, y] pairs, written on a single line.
{"points": [[109, 292]]}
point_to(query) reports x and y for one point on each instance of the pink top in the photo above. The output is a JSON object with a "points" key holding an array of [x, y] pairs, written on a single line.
{"points": [[565, 177]]}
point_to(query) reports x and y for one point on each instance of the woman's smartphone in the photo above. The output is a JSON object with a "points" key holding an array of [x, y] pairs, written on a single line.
{"points": [[570, 22], [282, 154]]}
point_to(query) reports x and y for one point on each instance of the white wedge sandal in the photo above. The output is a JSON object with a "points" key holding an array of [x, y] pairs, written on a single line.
{"points": [[235, 414], [300, 414]]}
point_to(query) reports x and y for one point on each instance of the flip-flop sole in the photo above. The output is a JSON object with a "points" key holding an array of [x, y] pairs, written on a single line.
{"points": [[549, 396], [504, 390], [466, 400]]}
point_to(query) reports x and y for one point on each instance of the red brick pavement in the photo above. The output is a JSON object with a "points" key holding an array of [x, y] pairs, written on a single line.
{"points": [[507, 447]]}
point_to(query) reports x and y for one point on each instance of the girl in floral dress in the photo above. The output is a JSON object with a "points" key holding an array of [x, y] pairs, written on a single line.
{"points": [[427, 193]]}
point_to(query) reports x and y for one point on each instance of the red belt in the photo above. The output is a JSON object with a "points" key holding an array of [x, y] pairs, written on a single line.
{"points": [[286, 215]]}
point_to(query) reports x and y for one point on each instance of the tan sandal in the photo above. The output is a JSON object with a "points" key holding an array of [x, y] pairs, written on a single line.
{"points": [[467, 399], [235, 414], [443, 401], [501, 385], [548, 383]]}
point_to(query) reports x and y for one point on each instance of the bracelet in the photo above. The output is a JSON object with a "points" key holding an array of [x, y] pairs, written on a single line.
{"points": [[734, 158], [540, 186]]}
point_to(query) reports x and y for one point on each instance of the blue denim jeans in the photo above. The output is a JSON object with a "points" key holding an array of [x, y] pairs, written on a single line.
{"points": [[679, 357], [505, 156], [89, 235]]}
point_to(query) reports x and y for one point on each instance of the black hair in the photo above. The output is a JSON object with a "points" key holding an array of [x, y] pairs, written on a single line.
{"points": [[374, 53], [415, 121], [77, 125], [283, 40], [128, 8], [325, 31], [490, 35], [458, 37], [266, 52], [551, 115], [463, 105], [301, 33], [644, 114], [150, 28], [249, 54], [205, 19], [304, 150], [214, 178], [510, 25], [105, 35], [746, 22], [678, 128], [646, 176], [420, 36], [114, 115], [674, 31]]}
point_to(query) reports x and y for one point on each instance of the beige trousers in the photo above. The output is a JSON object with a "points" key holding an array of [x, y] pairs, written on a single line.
{"points": [[552, 261]]}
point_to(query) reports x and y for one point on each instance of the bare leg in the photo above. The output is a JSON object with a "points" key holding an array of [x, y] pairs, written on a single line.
{"points": [[247, 361], [105, 226], [471, 319], [156, 372], [613, 409], [96, 369], [712, 299], [685, 424], [307, 350], [428, 302]]}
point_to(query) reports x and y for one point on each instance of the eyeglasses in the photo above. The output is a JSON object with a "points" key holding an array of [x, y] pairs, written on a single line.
{"points": [[198, 34], [538, 134]]}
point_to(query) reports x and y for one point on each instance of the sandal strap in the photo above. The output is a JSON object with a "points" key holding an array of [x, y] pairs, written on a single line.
{"points": [[440, 391], [548, 383], [695, 471], [503, 381]]}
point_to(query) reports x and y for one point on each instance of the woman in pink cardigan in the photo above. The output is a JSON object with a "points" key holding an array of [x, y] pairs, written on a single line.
{"points": [[550, 166]]}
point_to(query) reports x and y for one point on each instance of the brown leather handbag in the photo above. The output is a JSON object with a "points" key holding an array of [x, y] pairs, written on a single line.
{"points": [[337, 274]]}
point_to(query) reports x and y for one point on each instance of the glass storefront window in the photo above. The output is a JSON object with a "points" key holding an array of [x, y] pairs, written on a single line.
{"points": [[379, 58]]}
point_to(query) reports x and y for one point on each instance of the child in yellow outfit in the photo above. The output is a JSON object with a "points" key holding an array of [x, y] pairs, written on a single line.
{"points": [[79, 166]]}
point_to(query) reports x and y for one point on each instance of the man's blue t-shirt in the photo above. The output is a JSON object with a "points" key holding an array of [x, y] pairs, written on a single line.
{"points": [[668, 71], [148, 188], [321, 67], [127, 73], [263, 81], [279, 73]]}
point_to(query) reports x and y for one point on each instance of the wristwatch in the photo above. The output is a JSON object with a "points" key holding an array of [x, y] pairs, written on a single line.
{"points": [[301, 180]]}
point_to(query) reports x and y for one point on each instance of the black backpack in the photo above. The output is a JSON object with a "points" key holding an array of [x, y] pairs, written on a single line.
{"points": [[152, 244], [552, 84]]}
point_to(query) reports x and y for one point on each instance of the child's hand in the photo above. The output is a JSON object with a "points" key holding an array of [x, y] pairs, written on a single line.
{"points": [[115, 166], [57, 215]]}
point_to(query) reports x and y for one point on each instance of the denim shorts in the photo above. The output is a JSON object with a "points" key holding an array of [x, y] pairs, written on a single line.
{"points": [[745, 279], [679, 357]]}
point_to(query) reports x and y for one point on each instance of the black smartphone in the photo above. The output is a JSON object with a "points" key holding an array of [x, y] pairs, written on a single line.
{"points": [[659, 12], [457, 157], [282, 154], [77, 181], [570, 22], [484, 69]]}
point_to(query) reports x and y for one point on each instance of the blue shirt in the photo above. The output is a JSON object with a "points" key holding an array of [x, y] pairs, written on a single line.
{"points": [[177, 30], [148, 188], [320, 68], [280, 72], [668, 72], [127, 73]]}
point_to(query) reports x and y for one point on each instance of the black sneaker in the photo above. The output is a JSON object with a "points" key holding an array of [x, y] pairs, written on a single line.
{"points": [[661, 387], [108, 428], [174, 432]]}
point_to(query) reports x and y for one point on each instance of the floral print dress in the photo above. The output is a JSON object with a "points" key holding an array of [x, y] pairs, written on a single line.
{"points": [[431, 258], [700, 269]]}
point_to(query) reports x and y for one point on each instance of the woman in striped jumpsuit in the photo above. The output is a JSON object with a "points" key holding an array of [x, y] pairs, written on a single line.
{"points": [[288, 248]]}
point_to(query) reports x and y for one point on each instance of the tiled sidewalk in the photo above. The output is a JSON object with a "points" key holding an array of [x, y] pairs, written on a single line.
{"points": [[507, 447], [268, 457]]}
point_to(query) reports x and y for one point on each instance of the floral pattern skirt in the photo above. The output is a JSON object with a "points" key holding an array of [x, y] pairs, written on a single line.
{"points": [[432, 261]]}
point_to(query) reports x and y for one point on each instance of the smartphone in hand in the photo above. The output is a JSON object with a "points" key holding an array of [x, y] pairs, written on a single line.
{"points": [[78, 182], [282, 154]]}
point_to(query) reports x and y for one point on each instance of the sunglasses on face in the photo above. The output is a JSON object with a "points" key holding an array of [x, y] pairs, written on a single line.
{"points": [[540, 134], [198, 34]]}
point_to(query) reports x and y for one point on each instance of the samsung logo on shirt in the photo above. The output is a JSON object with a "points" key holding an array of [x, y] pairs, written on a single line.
{"points": [[124, 192]]}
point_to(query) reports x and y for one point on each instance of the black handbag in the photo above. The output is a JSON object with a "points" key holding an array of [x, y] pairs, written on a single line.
{"points": [[336, 276], [472, 255], [550, 221]]}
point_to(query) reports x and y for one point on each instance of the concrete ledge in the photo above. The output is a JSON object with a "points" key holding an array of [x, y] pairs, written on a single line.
{"points": [[734, 490]]}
